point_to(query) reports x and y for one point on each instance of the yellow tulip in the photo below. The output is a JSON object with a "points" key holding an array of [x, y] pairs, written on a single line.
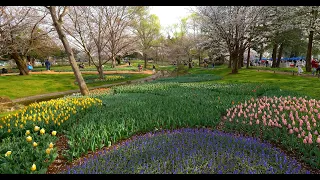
{"points": [[48, 150], [36, 128], [35, 144], [51, 145], [27, 132], [7, 153], [54, 133], [9, 130], [33, 167], [21, 126], [29, 138], [42, 131]]}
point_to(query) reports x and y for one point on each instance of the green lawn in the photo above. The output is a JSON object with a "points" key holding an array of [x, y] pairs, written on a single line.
{"points": [[23, 86], [307, 85]]}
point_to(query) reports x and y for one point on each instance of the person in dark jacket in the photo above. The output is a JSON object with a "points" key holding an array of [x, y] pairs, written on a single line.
{"points": [[48, 64]]}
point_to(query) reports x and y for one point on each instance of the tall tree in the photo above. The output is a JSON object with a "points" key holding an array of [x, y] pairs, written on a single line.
{"points": [[22, 30], [147, 28], [231, 24], [57, 18]]}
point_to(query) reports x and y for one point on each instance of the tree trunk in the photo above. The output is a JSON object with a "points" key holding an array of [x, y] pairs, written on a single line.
{"points": [[100, 72], [82, 84], [241, 57], [145, 60], [113, 65], [279, 55], [118, 60], [190, 62], [234, 58], [274, 54], [248, 57], [199, 58], [89, 56], [21, 63], [309, 53], [260, 55]]}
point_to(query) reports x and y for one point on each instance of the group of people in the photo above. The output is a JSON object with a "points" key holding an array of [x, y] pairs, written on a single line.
{"points": [[141, 66], [315, 67], [47, 63]]}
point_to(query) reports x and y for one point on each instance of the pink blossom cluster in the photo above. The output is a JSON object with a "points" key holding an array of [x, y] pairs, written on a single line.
{"points": [[298, 115]]}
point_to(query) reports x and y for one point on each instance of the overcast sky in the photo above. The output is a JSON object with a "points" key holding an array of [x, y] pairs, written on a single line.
{"points": [[169, 15]]}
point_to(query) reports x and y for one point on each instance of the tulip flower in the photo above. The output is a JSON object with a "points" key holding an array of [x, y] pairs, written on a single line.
{"points": [[51, 145], [42, 131], [27, 132], [33, 167], [304, 141], [35, 144], [48, 151], [29, 138], [290, 131], [55, 132], [7, 153], [36, 128]]}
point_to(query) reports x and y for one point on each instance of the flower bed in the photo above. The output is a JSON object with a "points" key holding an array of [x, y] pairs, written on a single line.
{"points": [[189, 151]]}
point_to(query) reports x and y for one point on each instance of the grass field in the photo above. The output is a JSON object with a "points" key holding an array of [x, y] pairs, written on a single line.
{"points": [[307, 85], [23, 86]]}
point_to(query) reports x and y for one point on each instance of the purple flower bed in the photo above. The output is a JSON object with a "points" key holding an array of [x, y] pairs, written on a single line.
{"points": [[190, 151]]}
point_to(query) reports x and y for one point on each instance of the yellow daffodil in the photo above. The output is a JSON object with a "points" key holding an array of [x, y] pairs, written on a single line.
{"points": [[27, 132], [42, 131], [35, 144], [36, 128], [7, 153], [51, 145], [29, 138], [48, 150], [33, 167], [54, 133]]}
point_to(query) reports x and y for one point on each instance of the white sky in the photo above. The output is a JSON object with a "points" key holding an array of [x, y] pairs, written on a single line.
{"points": [[169, 15]]}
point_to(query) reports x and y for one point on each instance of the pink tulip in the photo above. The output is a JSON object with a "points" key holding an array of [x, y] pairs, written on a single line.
{"points": [[289, 126], [304, 141], [300, 128], [308, 128], [296, 129], [257, 122], [250, 123], [318, 140], [310, 141], [299, 136], [290, 131], [316, 132], [314, 124], [279, 126]]}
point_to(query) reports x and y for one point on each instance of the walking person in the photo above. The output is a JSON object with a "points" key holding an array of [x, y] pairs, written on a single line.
{"points": [[154, 69], [314, 67], [47, 63], [299, 65], [29, 66]]}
